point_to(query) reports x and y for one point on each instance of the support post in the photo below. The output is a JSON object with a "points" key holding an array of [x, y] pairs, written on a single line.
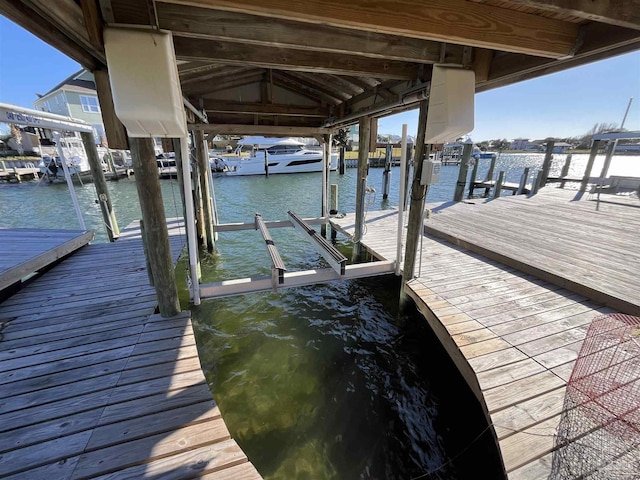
{"points": [[498, 188], [326, 165], [409, 152], [179, 168], [197, 195], [523, 181], [611, 147], [418, 195], [546, 165], [155, 224], [112, 166], [363, 167], [535, 186], [190, 222], [462, 173], [401, 195], [341, 165], [490, 173], [565, 170], [334, 199], [266, 163], [100, 183], [474, 176], [386, 175], [202, 156], [145, 249], [595, 145]]}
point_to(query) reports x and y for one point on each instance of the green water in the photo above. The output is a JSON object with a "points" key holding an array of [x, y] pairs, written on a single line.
{"points": [[322, 382]]}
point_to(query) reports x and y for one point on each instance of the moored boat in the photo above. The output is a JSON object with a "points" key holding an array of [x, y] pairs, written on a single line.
{"points": [[261, 155]]}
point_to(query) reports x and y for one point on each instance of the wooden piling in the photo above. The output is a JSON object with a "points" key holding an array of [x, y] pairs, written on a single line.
{"points": [[497, 190], [386, 175], [546, 165], [197, 197], [266, 163], [363, 167], [587, 171], [202, 157], [100, 184], [611, 147], [334, 199], [150, 197], [418, 196], [462, 173], [341, 163], [565, 170], [492, 168], [537, 181], [145, 249], [474, 176], [523, 181]]}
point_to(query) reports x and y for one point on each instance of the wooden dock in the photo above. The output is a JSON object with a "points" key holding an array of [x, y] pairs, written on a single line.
{"points": [[501, 296], [18, 174], [94, 384], [24, 251]]}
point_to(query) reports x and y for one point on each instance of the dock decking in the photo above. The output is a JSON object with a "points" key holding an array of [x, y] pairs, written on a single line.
{"points": [[94, 385], [24, 251], [515, 336]]}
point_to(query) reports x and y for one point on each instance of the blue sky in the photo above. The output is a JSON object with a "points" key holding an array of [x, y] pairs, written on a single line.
{"points": [[559, 105]]}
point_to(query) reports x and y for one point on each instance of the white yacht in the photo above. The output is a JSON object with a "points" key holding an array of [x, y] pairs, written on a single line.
{"points": [[257, 155]]}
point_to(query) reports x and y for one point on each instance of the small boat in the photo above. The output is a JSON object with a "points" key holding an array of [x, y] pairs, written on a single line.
{"points": [[262, 155], [167, 165]]}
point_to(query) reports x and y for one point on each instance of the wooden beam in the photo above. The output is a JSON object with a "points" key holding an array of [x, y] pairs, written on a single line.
{"points": [[211, 86], [623, 13], [304, 88], [100, 184], [22, 15], [261, 130], [452, 21], [321, 82], [116, 133], [255, 30], [264, 109], [482, 63], [284, 59], [68, 17], [600, 41], [93, 23], [219, 74]]}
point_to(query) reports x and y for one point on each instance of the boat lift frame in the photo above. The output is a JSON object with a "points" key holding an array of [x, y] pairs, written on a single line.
{"points": [[14, 114], [280, 277]]}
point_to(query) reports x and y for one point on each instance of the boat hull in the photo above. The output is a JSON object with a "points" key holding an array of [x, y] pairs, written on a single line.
{"points": [[278, 164]]}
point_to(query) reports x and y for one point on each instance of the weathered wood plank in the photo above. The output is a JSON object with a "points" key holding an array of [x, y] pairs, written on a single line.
{"points": [[40, 259]]}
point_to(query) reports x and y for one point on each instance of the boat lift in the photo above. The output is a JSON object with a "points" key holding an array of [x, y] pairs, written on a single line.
{"points": [[280, 276], [14, 114]]}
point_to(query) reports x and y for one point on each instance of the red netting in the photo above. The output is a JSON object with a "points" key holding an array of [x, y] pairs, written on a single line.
{"points": [[599, 432]]}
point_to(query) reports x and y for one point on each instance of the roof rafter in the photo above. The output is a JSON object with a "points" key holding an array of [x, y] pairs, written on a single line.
{"points": [[297, 84], [452, 21], [211, 105], [47, 31], [284, 59]]}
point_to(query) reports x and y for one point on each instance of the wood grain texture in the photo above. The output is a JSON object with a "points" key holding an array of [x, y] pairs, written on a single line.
{"points": [[94, 383], [515, 337], [460, 22]]}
